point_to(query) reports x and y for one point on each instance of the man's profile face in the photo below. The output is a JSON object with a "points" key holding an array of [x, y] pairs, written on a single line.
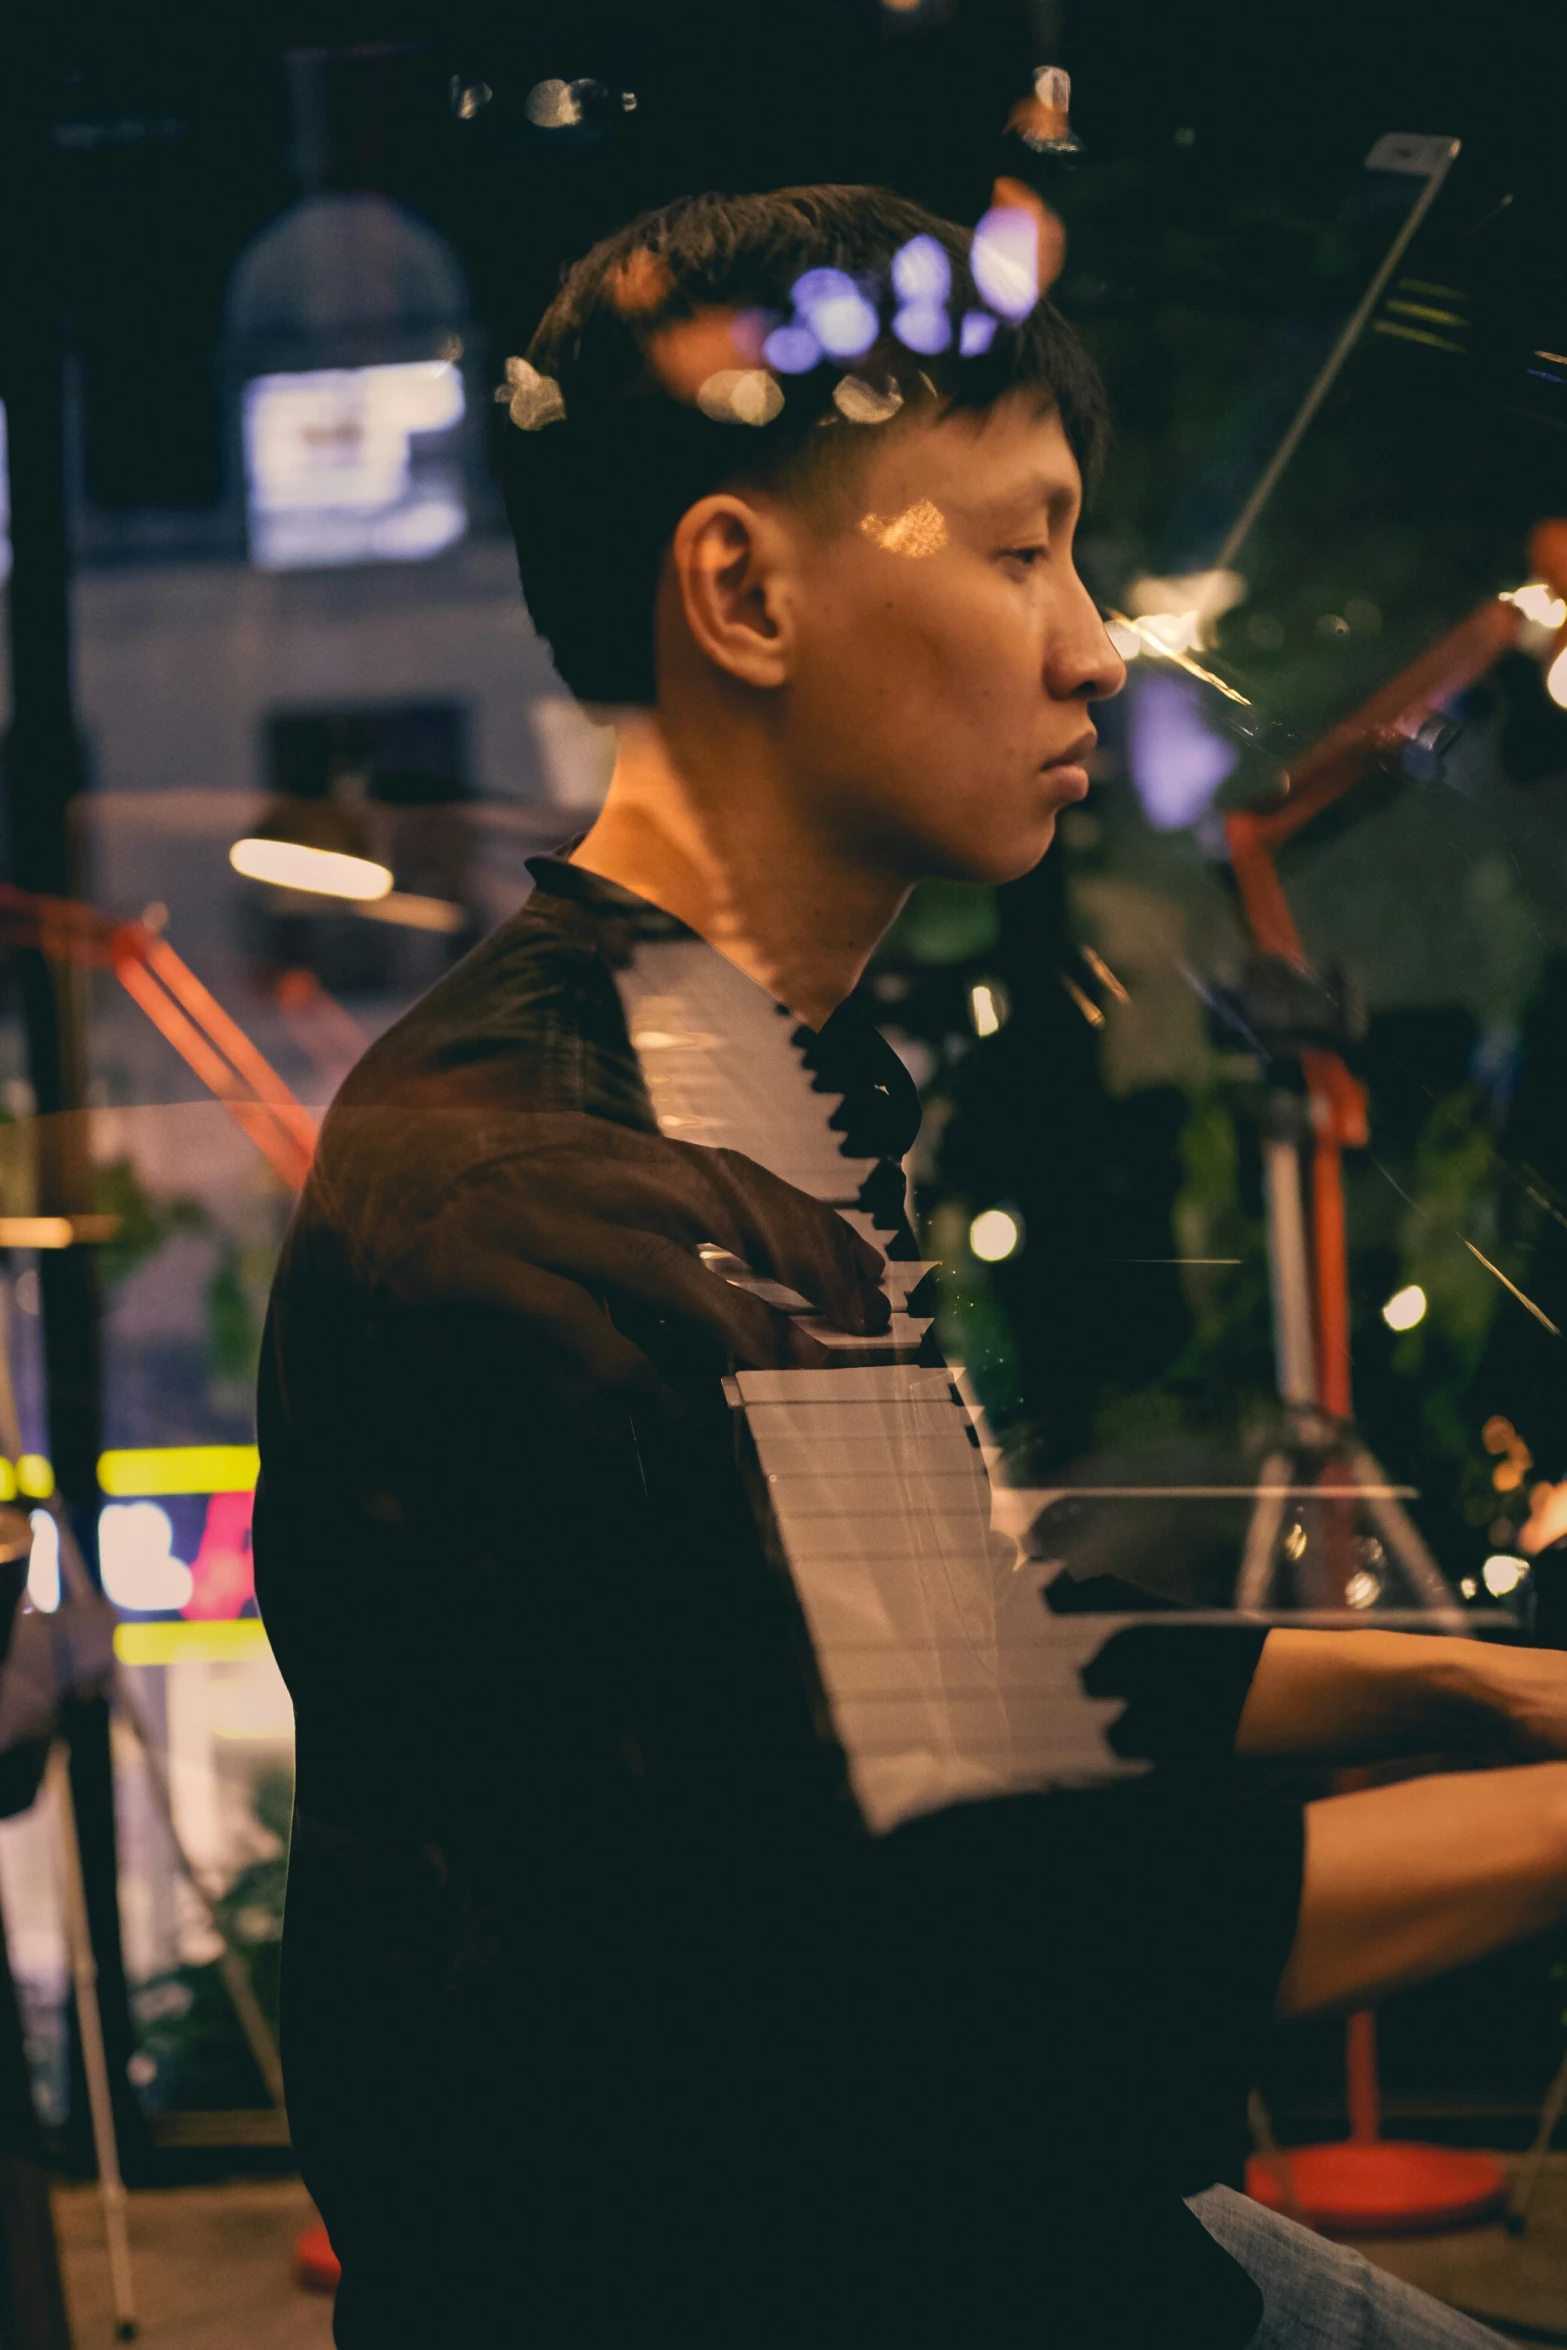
{"points": [[947, 652]]}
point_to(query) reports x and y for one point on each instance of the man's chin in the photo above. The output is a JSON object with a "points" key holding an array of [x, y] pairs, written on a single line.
{"points": [[1002, 860], [990, 859]]}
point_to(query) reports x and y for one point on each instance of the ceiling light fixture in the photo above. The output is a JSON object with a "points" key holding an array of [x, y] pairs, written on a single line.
{"points": [[315, 845]]}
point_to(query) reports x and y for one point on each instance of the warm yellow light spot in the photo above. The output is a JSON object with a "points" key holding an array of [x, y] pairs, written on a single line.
{"points": [[216, 1643], [919, 530], [55, 1231], [994, 1235], [36, 1232], [1503, 1573], [1405, 1307], [179, 1468], [289, 864], [1556, 681], [1537, 603], [35, 1476], [7, 1481], [984, 1010]]}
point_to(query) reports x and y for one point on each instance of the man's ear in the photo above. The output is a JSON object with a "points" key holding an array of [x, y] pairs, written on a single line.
{"points": [[730, 561]]}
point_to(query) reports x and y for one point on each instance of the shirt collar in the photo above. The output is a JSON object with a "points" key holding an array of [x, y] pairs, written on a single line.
{"points": [[848, 1052]]}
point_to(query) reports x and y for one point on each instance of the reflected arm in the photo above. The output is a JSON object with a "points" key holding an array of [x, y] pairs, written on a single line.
{"points": [[1350, 1696]]}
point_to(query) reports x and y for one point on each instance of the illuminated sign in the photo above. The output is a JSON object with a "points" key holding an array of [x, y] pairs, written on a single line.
{"points": [[354, 465]]}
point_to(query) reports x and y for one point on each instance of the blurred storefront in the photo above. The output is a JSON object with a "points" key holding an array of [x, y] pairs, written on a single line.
{"points": [[341, 629]]}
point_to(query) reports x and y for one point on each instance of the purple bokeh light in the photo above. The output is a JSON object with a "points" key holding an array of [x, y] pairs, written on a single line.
{"points": [[923, 327], [836, 312], [1005, 260], [793, 350], [1176, 759]]}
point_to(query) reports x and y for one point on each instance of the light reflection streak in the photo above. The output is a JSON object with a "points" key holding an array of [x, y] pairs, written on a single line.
{"points": [[1106, 977], [1167, 652], [1513, 1289]]}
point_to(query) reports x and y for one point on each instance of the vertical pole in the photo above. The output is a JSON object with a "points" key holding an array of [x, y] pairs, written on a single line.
{"points": [[1289, 1261], [32, 2298], [1332, 1255], [84, 1975], [1363, 2088], [44, 772], [1360, 2070]]}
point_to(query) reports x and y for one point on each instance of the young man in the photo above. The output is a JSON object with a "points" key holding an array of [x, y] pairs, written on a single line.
{"points": [[605, 2020]]}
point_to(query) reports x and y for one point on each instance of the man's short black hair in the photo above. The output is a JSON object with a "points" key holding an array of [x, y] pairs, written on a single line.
{"points": [[594, 498]]}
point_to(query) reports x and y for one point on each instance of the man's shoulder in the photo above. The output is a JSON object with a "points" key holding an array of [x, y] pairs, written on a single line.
{"points": [[531, 1015]]}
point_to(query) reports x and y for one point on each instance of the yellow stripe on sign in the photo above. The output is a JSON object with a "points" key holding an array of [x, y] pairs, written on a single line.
{"points": [[168, 1644], [178, 1468]]}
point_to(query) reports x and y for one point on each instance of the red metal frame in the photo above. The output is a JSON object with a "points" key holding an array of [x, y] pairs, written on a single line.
{"points": [[1368, 2184], [181, 1009], [1392, 717]]}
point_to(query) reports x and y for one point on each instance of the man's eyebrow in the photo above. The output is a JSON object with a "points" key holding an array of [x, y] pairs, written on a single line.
{"points": [[1059, 498]]}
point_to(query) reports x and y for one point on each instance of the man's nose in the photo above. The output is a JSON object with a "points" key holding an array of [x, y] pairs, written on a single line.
{"points": [[1085, 665]]}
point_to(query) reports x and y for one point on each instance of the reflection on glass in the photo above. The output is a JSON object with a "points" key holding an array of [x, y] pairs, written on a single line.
{"points": [[353, 464]]}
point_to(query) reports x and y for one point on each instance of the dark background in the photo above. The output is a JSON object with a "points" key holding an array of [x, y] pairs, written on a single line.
{"points": [[172, 128]]}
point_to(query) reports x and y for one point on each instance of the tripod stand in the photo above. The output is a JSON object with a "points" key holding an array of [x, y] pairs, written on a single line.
{"points": [[1330, 1536]]}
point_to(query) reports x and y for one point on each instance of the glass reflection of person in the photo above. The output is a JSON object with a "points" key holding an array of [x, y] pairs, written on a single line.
{"points": [[603, 2022]]}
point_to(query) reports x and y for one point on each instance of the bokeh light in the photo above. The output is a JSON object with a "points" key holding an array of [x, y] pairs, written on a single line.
{"points": [[792, 349], [836, 312], [553, 105], [740, 395], [136, 1558], [1503, 1573], [43, 1568], [1005, 260], [864, 403], [921, 271], [1405, 1307], [987, 1007], [995, 1235], [923, 327], [1538, 603]]}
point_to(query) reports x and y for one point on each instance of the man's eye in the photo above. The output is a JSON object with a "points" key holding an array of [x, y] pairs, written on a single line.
{"points": [[1027, 556]]}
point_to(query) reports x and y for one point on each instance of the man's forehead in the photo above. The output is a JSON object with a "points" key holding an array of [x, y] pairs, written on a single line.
{"points": [[1014, 458]]}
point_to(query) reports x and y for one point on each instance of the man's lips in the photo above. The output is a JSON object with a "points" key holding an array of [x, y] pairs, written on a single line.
{"points": [[1069, 772]]}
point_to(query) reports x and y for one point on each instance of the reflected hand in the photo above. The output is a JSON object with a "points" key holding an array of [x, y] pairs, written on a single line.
{"points": [[552, 1215]]}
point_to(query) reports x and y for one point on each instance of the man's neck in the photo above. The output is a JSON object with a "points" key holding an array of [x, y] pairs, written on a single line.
{"points": [[716, 837]]}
